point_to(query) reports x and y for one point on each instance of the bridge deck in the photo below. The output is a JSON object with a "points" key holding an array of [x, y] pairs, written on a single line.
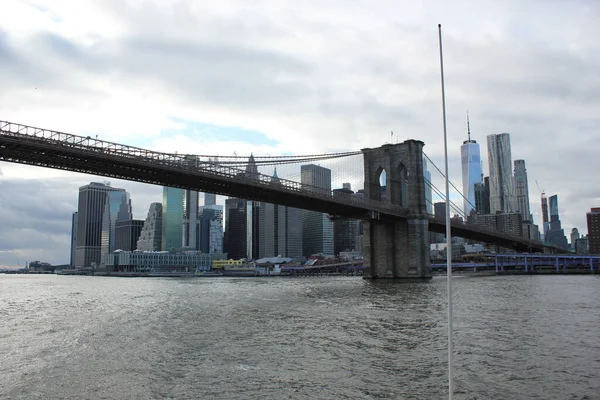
{"points": [[45, 148]]}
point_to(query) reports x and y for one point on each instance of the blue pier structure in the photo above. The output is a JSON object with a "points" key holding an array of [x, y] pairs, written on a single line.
{"points": [[528, 263]]}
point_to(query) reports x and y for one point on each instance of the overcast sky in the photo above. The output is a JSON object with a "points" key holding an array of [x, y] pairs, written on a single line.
{"points": [[274, 77]]}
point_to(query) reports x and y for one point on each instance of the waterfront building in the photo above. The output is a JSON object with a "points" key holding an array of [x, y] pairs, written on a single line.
{"points": [[502, 196], [471, 170], [531, 231], [522, 190], [172, 218], [317, 228], [117, 208], [482, 196], [151, 233], [582, 245], [555, 235], [73, 238], [127, 234], [510, 223], [90, 210], [574, 237], [593, 226], [211, 229], [159, 261]]}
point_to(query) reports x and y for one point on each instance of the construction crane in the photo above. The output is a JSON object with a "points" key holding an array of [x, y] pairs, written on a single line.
{"points": [[540, 189]]}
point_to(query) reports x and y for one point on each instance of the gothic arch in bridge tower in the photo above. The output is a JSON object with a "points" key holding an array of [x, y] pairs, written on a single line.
{"points": [[397, 248]]}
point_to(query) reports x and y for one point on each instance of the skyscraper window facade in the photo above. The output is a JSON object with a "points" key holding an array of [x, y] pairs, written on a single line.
{"points": [[191, 221], [73, 238], [556, 234], [90, 210], [151, 234], [522, 190], [211, 229], [471, 170], [593, 225], [482, 196], [502, 193], [317, 228], [172, 219], [116, 209], [428, 189]]}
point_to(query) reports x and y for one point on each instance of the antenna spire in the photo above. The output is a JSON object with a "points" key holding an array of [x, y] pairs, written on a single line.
{"points": [[468, 126]]}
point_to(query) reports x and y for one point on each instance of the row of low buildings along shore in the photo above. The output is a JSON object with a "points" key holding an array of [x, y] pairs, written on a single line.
{"points": [[195, 264]]}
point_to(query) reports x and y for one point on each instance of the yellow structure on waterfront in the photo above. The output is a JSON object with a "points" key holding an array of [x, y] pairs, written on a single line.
{"points": [[220, 264]]}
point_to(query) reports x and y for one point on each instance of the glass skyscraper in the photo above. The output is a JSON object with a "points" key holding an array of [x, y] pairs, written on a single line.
{"points": [[502, 189], [117, 208], [471, 170], [172, 219], [90, 210]]}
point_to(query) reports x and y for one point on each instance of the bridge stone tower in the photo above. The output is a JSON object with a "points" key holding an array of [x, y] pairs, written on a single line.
{"points": [[397, 248]]}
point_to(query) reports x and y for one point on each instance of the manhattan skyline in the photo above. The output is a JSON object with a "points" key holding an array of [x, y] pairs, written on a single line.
{"points": [[247, 82]]}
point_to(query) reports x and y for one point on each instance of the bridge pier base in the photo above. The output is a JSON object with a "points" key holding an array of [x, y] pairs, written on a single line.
{"points": [[397, 249]]}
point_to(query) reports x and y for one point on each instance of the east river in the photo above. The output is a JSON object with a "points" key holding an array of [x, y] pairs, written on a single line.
{"points": [[78, 337]]}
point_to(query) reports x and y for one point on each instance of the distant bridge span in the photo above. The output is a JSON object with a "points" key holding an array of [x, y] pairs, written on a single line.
{"points": [[45, 148]]}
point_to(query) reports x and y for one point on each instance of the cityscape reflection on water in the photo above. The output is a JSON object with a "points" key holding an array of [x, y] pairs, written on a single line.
{"points": [[80, 337]]}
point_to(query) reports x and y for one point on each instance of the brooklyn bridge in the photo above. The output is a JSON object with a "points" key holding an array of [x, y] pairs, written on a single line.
{"points": [[396, 224]]}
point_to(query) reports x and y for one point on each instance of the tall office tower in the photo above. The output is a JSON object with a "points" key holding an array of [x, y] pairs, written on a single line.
{"points": [[482, 196], [211, 229], [428, 190], [151, 234], [522, 190], [127, 234], [241, 218], [440, 210], [280, 228], [593, 225], [471, 169], [117, 208], [191, 222], [317, 228], [345, 230], [574, 237], [90, 209], [502, 193], [545, 219], [556, 235], [73, 238], [210, 199], [172, 218]]}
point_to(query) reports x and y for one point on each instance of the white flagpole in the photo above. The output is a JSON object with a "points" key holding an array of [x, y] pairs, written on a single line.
{"points": [[448, 230]]}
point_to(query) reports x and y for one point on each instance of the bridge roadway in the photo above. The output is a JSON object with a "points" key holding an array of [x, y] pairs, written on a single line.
{"points": [[45, 148]]}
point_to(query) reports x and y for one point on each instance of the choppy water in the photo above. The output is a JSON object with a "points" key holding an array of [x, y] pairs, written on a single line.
{"points": [[533, 337]]}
